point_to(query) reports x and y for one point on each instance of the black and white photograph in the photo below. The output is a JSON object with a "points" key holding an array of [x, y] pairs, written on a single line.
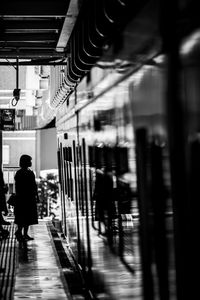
{"points": [[99, 149]]}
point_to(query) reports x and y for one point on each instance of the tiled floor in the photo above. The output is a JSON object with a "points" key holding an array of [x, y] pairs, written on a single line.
{"points": [[38, 274]]}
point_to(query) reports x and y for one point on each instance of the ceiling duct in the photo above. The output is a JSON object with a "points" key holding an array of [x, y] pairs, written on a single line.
{"points": [[98, 23]]}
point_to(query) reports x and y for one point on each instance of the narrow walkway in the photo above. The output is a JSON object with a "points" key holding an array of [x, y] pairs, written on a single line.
{"points": [[35, 267]]}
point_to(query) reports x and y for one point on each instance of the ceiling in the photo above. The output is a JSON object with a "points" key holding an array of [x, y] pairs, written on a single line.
{"points": [[36, 31], [76, 32], [52, 32]]}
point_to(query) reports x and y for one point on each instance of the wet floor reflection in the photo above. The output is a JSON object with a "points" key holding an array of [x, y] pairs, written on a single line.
{"points": [[38, 274], [23, 255]]}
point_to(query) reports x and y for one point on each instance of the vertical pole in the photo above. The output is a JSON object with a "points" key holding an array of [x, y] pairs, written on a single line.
{"points": [[38, 153], [144, 214], [177, 147], [17, 73]]}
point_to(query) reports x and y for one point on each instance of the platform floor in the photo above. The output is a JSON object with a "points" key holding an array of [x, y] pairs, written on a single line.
{"points": [[31, 270]]}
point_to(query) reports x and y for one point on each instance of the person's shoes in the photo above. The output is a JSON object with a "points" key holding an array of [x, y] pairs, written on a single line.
{"points": [[28, 238], [5, 223]]}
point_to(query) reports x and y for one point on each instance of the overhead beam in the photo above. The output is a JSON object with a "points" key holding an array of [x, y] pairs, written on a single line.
{"points": [[35, 63], [30, 8], [26, 45], [34, 24], [36, 30], [29, 37], [30, 54], [31, 29], [68, 25]]}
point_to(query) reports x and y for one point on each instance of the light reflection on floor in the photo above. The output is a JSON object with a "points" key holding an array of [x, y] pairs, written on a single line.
{"points": [[39, 275]]}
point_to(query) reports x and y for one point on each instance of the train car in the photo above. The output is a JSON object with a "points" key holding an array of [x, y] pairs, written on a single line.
{"points": [[128, 155]]}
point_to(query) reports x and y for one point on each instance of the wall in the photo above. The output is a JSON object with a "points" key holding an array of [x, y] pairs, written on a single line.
{"points": [[20, 142], [46, 149]]}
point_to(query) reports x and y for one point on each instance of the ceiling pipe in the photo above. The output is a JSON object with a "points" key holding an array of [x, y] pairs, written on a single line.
{"points": [[96, 26]]}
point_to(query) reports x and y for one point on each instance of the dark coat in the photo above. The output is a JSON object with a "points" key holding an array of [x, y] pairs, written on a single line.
{"points": [[25, 209], [3, 206]]}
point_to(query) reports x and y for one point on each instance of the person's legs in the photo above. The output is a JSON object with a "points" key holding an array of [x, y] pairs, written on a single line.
{"points": [[18, 232], [19, 229], [26, 236], [26, 230]]}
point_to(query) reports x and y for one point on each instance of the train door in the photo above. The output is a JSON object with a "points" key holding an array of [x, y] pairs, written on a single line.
{"points": [[153, 183], [83, 187], [62, 184]]}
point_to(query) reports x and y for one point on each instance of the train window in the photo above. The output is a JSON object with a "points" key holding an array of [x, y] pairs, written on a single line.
{"points": [[97, 124]]}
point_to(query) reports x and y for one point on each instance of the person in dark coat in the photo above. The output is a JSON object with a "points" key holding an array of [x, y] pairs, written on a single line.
{"points": [[25, 209], [3, 207]]}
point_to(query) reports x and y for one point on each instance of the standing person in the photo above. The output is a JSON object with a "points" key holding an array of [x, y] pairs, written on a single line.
{"points": [[25, 209], [3, 207], [4, 233]]}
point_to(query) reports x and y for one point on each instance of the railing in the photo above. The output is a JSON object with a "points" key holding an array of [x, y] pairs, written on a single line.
{"points": [[9, 174]]}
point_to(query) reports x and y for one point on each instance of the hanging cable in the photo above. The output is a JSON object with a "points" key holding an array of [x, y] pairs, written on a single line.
{"points": [[16, 92]]}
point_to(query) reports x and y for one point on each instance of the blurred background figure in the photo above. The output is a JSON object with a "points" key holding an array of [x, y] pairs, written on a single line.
{"points": [[3, 207]]}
